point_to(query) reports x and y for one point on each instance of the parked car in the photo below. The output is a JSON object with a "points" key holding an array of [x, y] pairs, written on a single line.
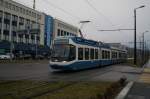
{"points": [[6, 56]]}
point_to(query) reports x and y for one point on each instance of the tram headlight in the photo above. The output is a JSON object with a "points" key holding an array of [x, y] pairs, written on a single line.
{"points": [[64, 61]]}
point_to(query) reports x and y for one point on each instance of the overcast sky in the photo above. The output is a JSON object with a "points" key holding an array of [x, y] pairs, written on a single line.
{"points": [[103, 14]]}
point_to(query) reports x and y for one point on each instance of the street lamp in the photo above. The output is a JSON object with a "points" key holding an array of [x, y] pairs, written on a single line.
{"points": [[135, 50], [82, 24]]}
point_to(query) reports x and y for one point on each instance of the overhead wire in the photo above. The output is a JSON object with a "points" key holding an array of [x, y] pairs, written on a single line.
{"points": [[98, 12], [61, 9]]}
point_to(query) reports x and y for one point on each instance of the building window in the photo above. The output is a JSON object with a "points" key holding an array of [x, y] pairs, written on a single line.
{"points": [[86, 53], [114, 55], [32, 39], [20, 37], [14, 38], [6, 37], [58, 32], [65, 33], [7, 16], [0, 35], [14, 28], [6, 27], [21, 11], [24, 11], [6, 4], [1, 14], [16, 8], [13, 7], [30, 14], [26, 38], [62, 33], [21, 20], [14, 18], [80, 53], [1, 2], [27, 21], [27, 12], [9, 6], [38, 16], [0, 26]]}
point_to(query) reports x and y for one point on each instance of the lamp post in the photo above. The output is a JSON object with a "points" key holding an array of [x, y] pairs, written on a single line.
{"points": [[135, 50], [82, 23]]}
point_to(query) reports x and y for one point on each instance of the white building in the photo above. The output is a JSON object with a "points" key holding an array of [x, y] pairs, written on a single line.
{"points": [[17, 19], [64, 29]]}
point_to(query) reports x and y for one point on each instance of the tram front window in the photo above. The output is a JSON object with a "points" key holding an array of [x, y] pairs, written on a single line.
{"points": [[63, 52]]}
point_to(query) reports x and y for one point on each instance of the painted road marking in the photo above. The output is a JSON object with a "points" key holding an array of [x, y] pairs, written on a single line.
{"points": [[147, 70], [145, 77]]}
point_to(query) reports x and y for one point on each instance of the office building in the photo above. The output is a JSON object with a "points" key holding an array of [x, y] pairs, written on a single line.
{"points": [[21, 25], [64, 29]]}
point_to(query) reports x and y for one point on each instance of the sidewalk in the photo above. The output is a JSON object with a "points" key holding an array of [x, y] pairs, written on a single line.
{"points": [[141, 88], [139, 91]]}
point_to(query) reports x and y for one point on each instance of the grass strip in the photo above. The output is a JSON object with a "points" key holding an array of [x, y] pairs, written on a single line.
{"points": [[24, 89], [82, 90], [58, 90]]}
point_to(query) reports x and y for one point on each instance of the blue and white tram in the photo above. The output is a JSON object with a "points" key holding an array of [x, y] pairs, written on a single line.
{"points": [[75, 53]]}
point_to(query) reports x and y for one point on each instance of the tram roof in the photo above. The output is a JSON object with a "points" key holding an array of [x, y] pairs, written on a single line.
{"points": [[83, 41], [88, 42]]}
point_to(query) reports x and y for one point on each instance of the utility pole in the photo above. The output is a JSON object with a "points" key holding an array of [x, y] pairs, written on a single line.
{"points": [[34, 4], [11, 39], [135, 37], [135, 49], [36, 35]]}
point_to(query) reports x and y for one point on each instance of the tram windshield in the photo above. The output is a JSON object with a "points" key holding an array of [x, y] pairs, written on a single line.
{"points": [[63, 52]]}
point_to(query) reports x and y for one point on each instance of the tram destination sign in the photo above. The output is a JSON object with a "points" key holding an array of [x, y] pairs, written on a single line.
{"points": [[61, 41]]}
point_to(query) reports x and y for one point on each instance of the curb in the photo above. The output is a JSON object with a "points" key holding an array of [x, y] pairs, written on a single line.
{"points": [[125, 91]]}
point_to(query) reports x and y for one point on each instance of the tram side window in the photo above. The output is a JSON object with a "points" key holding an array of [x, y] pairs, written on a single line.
{"points": [[120, 55], [80, 53], [86, 53], [108, 55], [113, 55], [92, 53], [96, 53], [72, 55], [103, 54]]}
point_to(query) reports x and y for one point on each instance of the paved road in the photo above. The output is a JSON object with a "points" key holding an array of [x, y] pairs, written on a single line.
{"points": [[41, 71]]}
